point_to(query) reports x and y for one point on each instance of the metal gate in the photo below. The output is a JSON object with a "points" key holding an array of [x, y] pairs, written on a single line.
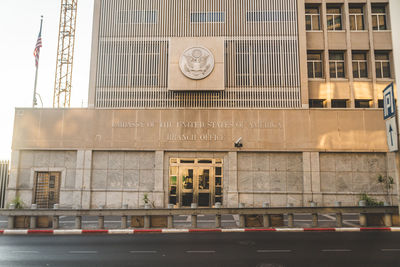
{"points": [[4, 173]]}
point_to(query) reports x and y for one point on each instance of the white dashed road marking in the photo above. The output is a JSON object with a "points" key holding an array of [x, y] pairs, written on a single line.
{"points": [[390, 249], [144, 252], [32, 252], [274, 251], [83, 252], [336, 250], [201, 251]]}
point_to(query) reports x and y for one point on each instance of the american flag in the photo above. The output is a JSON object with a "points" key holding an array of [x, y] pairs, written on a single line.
{"points": [[36, 52]]}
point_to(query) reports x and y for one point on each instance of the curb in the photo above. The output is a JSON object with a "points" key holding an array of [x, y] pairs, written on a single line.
{"points": [[181, 231]]}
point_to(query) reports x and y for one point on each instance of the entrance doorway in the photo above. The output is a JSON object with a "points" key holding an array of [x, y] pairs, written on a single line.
{"points": [[195, 181]]}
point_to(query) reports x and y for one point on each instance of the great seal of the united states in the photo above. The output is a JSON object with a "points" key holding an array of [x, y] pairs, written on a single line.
{"points": [[196, 62]]}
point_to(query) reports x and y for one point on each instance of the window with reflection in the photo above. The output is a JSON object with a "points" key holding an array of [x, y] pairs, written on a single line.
{"points": [[313, 18], [334, 18]]}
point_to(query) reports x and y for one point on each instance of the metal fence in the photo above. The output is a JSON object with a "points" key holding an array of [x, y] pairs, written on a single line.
{"points": [[4, 167]]}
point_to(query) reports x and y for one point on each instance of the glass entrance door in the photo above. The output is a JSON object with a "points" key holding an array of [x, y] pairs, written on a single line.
{"points": [[195, 186], [196, 181], [187, 190], [203, 187]]}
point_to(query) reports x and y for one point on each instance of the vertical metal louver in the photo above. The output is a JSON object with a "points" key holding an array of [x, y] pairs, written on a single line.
{"points": [[261, 52]]}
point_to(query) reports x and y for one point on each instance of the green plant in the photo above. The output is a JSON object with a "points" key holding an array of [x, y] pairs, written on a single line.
{"points": [[18, 203], [387, 184], [146, 199], [370, 202]]}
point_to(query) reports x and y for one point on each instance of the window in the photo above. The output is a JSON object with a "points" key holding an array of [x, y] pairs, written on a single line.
{"points": [[334, 17], [314, 62], [138, 16], [317, 103], [356, 17], [268, 16], [379, 17], [202, 17], [361, 103], [336, 64], [339, 103], [312, 18], [360, 65], [382, 64], [47, 187], [380, 103]]}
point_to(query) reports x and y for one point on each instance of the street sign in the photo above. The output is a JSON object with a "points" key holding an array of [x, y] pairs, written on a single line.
{"points": [[391, 134], [389, 103]]}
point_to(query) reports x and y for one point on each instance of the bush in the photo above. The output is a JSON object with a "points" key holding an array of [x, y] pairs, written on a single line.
{"points": [[370, 202]]}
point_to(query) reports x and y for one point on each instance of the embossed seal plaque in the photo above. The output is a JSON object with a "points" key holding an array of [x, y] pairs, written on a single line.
{"points": [[196, 63]]}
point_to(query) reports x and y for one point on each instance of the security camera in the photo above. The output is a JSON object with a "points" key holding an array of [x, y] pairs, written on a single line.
{"points": [[238, 142]]}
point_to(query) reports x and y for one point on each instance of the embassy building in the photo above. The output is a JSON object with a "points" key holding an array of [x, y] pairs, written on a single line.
{"points": [[205, 101]]}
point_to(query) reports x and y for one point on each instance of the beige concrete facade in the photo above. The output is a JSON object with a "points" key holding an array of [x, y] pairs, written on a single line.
{"points": [[244, 134]]}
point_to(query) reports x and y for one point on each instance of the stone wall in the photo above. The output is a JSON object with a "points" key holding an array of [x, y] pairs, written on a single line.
{"points": [[276, 178], [344, 176], [33, 161], [110, 178], [122, 177]]}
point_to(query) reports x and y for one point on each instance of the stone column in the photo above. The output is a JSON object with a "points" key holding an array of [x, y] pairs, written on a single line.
{"points": [[311, 178], [233, 194], [11, 191], [82, 193], [159, 193]]}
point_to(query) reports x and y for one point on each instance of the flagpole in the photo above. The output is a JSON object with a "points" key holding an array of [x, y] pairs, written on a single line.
{"points": [[37, 71]]}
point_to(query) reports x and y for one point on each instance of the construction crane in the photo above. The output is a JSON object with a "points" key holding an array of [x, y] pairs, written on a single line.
{"points": [[65, 54]]}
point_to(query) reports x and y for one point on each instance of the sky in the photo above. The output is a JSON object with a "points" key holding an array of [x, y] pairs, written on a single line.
{"points": [[19, 29]]}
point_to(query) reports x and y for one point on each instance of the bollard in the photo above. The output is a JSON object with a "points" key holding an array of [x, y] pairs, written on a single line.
{"points": [[266, 217], [194, 220], [314, 215], [170, 221], [124, 222], [339, 217], [290, 216], [78, 222], [33, 221], [388, 220], [315, 220], [290, 220], [11, 219], [147, 223], [242, 218], [11, 222], [363, 216], [56, 222], [363, 220], [100, 222], [218, 221], [170, 218], [266, 221]]}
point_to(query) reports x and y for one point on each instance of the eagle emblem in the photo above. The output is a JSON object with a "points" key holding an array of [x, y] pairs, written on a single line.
{"points": [[196, 63]]}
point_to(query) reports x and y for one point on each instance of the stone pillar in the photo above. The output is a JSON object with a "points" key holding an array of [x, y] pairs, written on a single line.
{"points": [[82, 193], [159, 193], [233, 194], [11, 191], [311, 178], [316, 178]]}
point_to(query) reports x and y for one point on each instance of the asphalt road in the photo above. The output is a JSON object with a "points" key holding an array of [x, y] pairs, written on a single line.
{"points": [[204, 249]]}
